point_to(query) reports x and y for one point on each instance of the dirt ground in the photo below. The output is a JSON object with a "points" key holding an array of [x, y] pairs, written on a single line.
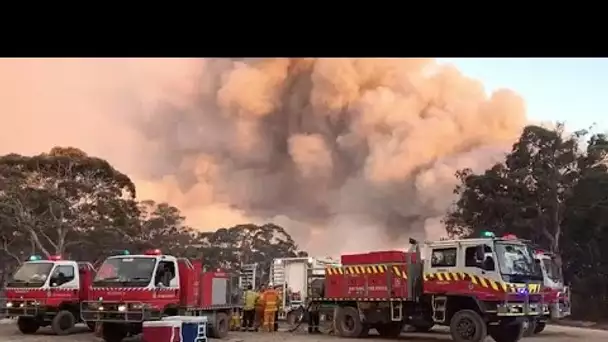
{"points": [[9, 333]]}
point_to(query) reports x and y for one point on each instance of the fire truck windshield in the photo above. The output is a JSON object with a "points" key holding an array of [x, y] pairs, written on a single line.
{"points": [[129, 271], [554, 272], [31, 274], [516, 262]]}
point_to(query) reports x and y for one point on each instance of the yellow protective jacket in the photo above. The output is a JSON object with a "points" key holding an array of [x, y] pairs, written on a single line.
{"points": [[250, 297]]}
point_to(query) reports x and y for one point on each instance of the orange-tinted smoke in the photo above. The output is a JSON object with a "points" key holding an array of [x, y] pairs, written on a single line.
{"points": [[346, 153]]}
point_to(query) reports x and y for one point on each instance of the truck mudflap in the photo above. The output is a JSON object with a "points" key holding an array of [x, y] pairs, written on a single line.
{"points": [[101, 311], [20, 307]]}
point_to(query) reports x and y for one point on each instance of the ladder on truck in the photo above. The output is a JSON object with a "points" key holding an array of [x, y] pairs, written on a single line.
{"points": [[277, 278], [248, 276]]}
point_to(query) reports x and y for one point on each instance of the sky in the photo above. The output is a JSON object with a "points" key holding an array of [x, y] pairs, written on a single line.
{"points": [[572, 90]]}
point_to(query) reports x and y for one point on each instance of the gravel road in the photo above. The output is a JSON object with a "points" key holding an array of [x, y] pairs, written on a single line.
{"points": [[9, 333]]}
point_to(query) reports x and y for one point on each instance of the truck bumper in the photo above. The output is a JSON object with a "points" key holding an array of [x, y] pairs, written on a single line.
{"points": [[560, 310], [21, 308], [510, 309], [133, 312]]}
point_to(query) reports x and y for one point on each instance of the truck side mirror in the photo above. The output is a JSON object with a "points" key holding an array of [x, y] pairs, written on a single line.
{"points": [[479, 253], [488, 264]]}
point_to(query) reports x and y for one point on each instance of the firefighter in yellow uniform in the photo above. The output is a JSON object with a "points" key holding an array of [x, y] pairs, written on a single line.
{"points": [[250, 298], [271, 302]]}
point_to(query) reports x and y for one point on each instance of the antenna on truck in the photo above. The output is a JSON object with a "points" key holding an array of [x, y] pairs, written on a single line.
{"points": [[414, 271]]}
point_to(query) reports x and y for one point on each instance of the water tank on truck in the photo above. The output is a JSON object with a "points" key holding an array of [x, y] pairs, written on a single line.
{"points": [[293, 276]]}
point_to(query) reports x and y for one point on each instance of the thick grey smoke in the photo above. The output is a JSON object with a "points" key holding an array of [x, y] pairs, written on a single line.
{"points": [[346, 153]]}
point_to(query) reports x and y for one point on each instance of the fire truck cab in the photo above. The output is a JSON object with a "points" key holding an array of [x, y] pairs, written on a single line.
{"points": [[556, 293], [48, 292], [130, 289], [477, 287]]}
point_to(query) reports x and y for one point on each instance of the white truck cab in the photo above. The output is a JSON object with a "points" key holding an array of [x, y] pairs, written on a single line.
{"points": [[149, 270], [53, 272]]}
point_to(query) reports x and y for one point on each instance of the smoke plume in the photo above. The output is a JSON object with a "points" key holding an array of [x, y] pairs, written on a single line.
{"points": [[346, 154]]}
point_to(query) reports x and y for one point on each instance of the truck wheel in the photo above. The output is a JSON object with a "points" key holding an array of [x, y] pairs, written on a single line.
{"points": [[112, 332], [468, 326], [507, 332], [540, 326], [221, 326], [27, 325], [529, 327], [348, 322], [389, 330], [63, 322]]}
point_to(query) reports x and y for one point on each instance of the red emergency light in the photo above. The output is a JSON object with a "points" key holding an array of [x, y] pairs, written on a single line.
{"points": [[539, 252], [509, 237], [155, 251], [54, 257]]}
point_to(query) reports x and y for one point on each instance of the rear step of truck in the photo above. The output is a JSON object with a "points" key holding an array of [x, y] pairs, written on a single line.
{"points": [[396, 311], [440, 304]]}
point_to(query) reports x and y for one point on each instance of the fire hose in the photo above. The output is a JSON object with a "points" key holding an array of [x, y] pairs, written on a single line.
{"points": [[303, 318]]}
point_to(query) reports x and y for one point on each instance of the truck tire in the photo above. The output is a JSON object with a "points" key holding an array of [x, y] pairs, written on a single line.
{"points": [[540, 326], [530, 327], [113, 332], [390, 330], [27, 325], [221, 327], [468, 326], [507, 332], [63, 322], [348, 322]]}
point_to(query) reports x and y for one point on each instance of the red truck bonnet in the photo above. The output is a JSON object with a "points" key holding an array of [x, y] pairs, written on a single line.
{"points": [[26, 293], [45, 296], [124, 294]]}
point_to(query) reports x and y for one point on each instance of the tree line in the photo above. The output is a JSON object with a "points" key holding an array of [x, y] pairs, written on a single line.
{"points": [[551, 188], [68, 203]]}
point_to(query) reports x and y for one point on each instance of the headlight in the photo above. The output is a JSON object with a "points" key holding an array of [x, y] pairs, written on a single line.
{"points": [[9, 304], [137, 306], [100, 308], [122, 308], [22, 305]]}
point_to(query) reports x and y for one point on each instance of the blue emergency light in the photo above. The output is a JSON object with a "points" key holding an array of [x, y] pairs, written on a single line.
{"points": [[35, 258]]}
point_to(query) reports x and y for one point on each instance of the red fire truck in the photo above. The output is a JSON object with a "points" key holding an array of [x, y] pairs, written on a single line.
{"points": [[556, 293], [48, 292], [131, 289], [477, 287]]}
